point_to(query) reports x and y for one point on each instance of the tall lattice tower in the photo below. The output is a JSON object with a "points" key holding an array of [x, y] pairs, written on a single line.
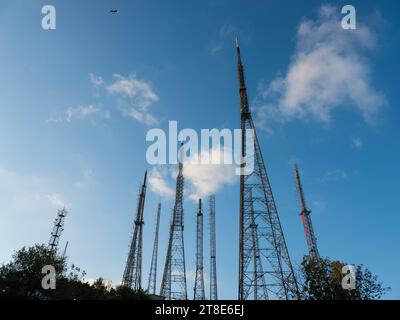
{"points": [[151, 288], [133, 270], [57, 230], [267, 263], [213, 251], [173, 285], [260, 291], [305, 217], [199, 293]]}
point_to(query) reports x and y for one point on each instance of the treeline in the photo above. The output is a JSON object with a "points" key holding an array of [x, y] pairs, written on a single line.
{"points": [[22, 279], [318, 279]]}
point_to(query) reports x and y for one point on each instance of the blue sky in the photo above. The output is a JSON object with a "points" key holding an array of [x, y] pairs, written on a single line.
{"points": [[77, 102]]}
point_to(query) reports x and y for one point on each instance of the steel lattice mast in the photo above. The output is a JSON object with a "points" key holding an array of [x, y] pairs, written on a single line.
{"points": [[173, 285], [259, 284], [65, 251], [306, 218], [199, 293], [132, 277], [57, 230], [257, 208], [153, 268], [213, 252]]}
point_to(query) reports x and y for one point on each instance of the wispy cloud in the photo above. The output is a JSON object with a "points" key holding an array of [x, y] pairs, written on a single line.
{"points": [[334, 175], [57, 200], [80, 113], [216, 50], [96, 81], [357, 143], [133, 88], [134, 99], [136, 96], [141, 116], [228, 31], [328, 70]]}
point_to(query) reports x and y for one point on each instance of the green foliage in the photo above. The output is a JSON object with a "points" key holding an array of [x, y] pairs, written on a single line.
{"points": [[22, 278], [322, 280]]}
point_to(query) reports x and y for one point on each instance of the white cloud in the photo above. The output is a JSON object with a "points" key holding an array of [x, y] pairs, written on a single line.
{"points": [[141, 116], [139, 95], [328, 71], [206, 179], [335, 175], [133, 88], [96, 81], [135, 99], [201, 180], [357, 143], [80, 113], [158, 183], [227, 32], [217, 49], [57, 200]]}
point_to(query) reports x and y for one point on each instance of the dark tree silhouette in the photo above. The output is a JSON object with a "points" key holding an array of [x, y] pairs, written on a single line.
{"points": [[22, 279], [322, 280]]}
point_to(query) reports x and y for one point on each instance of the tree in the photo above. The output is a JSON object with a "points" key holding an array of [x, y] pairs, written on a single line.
{"points": [[125, 293], [22, 279], [322, 280]]}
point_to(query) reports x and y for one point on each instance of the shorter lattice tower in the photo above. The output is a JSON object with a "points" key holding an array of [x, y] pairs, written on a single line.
{"points": [[305, 217], [173, 285], [132, 277], [153, 267], [57, 230], [213, 252], [199, 280]]}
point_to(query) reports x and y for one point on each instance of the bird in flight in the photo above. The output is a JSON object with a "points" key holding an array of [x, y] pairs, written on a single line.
{"points": [[114, 11]]}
